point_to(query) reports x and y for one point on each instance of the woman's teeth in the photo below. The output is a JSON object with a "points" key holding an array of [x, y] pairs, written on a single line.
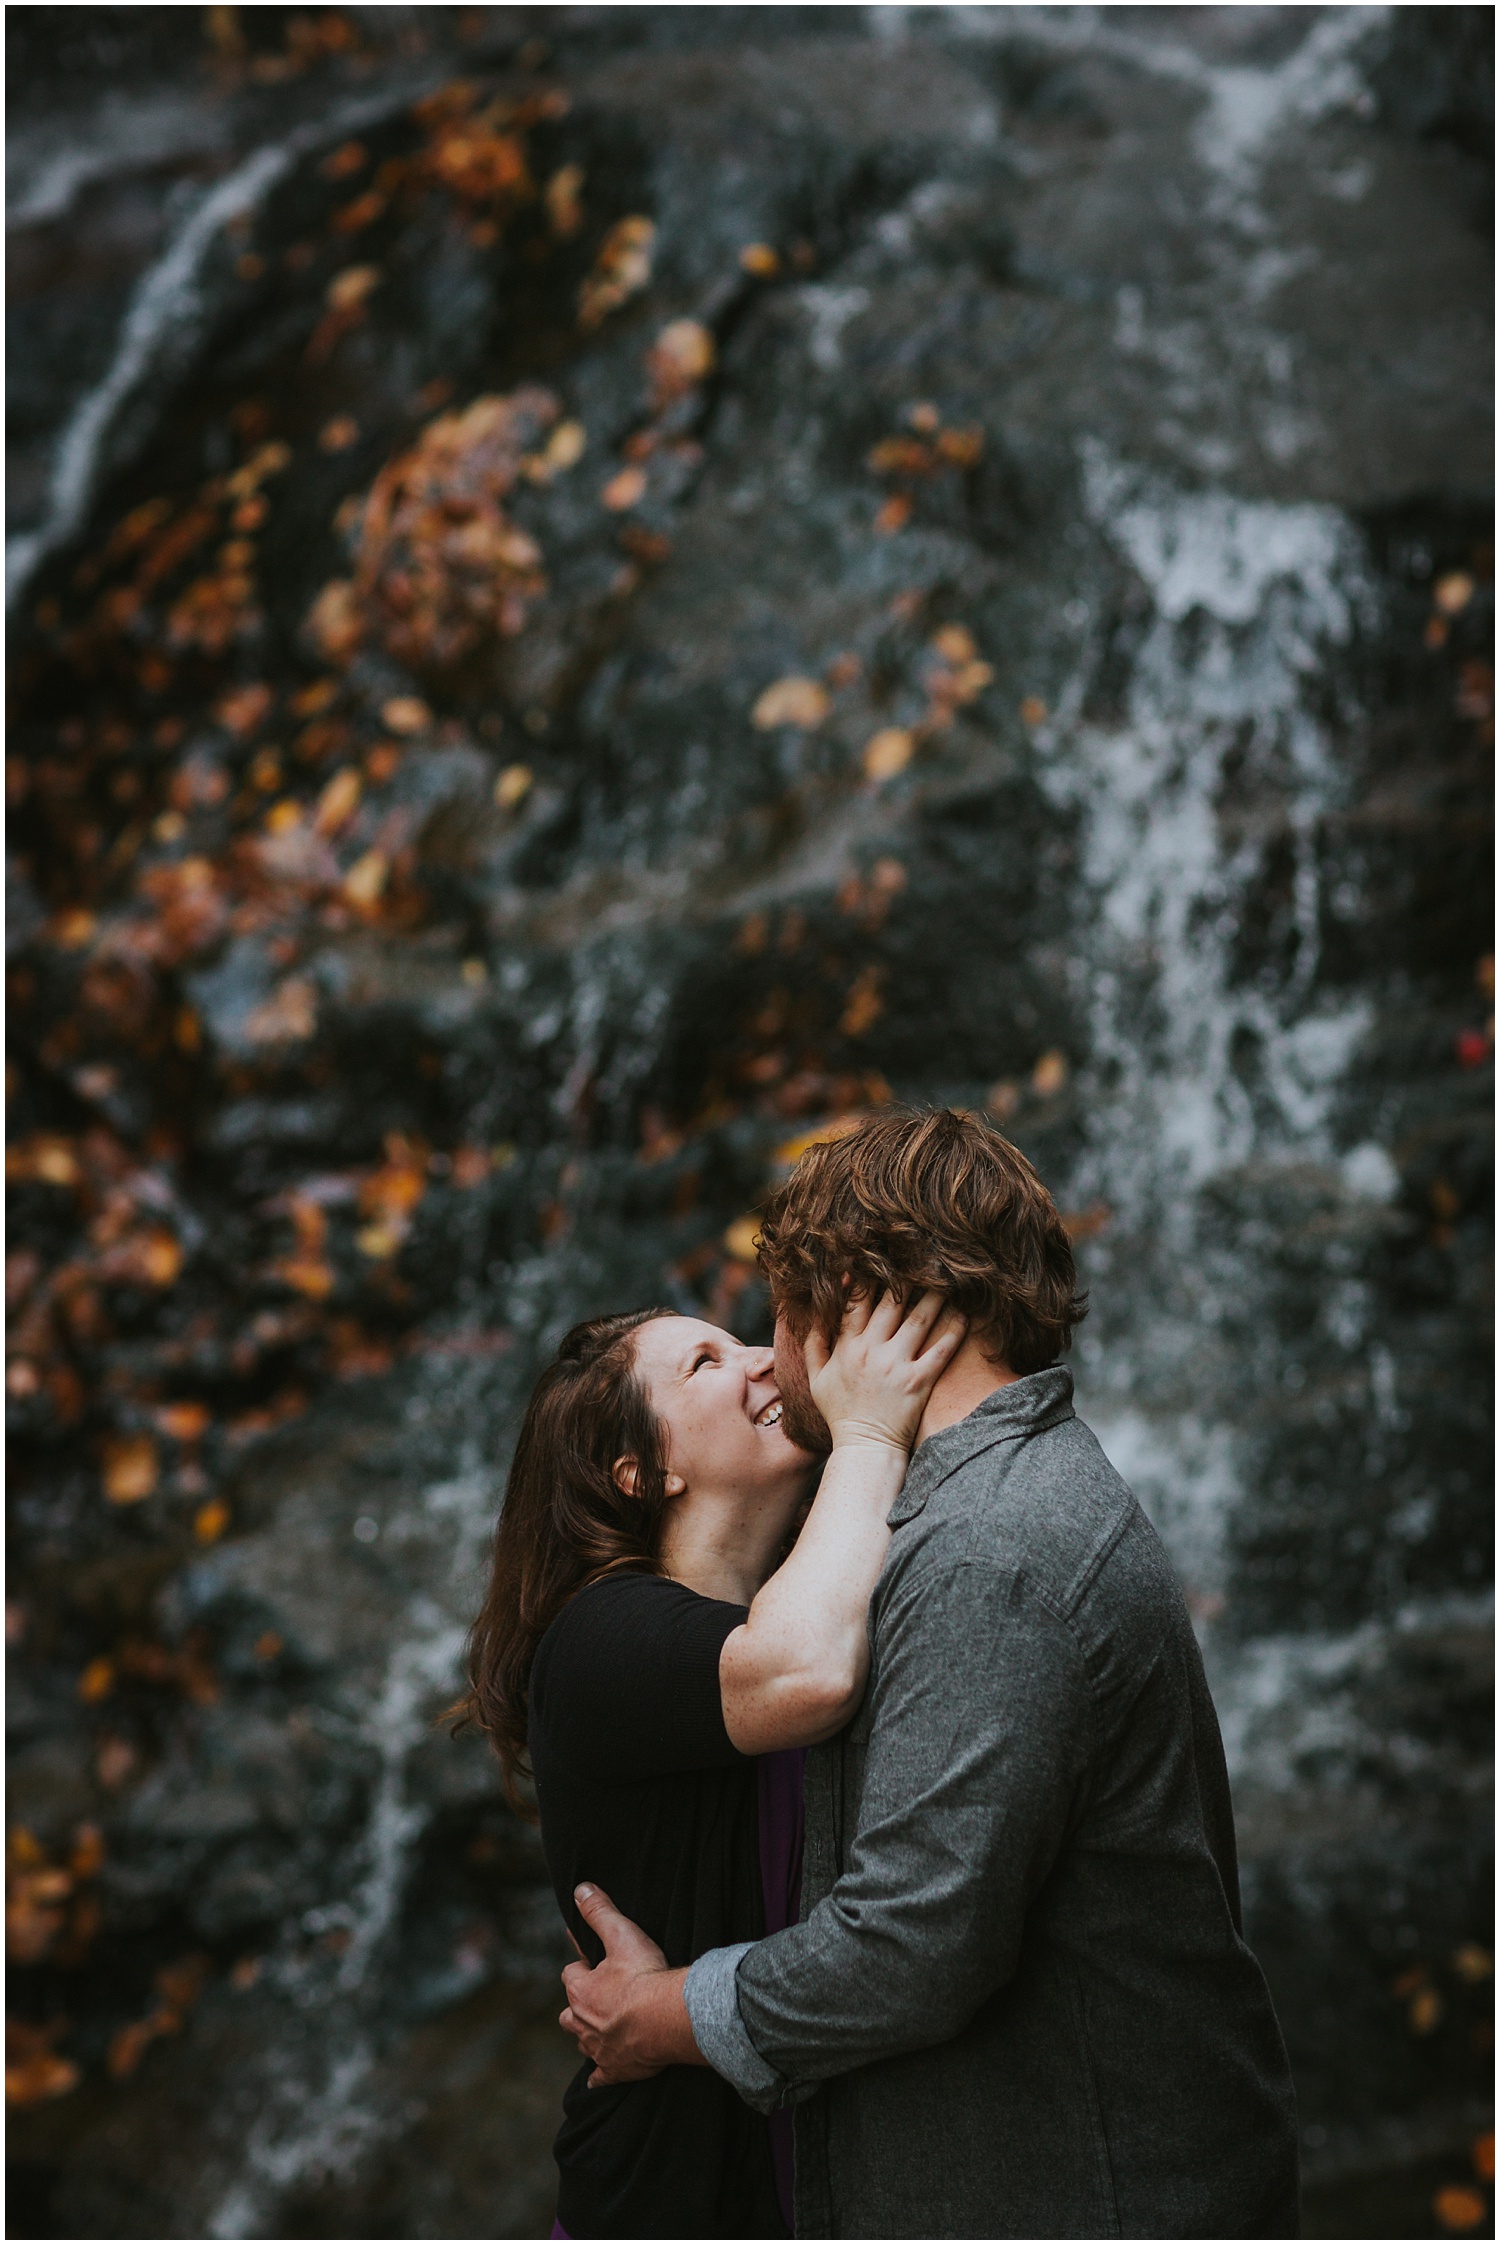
{"points": [[770, 1417]]}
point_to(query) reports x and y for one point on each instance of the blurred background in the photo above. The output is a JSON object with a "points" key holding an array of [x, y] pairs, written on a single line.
{"points": [[595, 591]]}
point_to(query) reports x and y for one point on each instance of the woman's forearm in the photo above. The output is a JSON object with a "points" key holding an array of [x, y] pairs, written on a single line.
{"points": [[793, 1673]]}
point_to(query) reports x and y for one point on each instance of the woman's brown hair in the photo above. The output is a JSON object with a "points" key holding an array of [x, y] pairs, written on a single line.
{"points": [[565, 1521], [913, 1198]]}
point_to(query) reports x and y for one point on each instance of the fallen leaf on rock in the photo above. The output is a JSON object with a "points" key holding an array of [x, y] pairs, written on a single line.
{"points": [[955, 643], [1451, 594], [308, 1275], [682, 355], [43, 1159], [627, 489], [364, 883], [335, 622], [1033, 710], [115, 1763], [406, 715], [963, 447], [791, 1150], [288, 1016], [1459, 2207], [893, 515], [130, 1468], [513, 786], [338, 801], [621, 269], [210, 1520], [184, 1422], [803, 702], [865, 1004], [339, 433], [1086, 1223], [345, 160], [34, 2073], [889, 752], [1049, 1075], [97, 1681], [760, 259]]}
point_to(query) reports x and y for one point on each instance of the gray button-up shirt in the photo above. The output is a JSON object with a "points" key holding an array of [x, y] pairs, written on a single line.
{"points": [[1018, 2003]]}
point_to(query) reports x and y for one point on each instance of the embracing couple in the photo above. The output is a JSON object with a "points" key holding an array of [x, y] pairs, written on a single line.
{"points": [[972, 1966]]}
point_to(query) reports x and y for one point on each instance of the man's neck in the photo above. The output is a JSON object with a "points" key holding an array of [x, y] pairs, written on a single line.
{"points": [[963, 1387]]}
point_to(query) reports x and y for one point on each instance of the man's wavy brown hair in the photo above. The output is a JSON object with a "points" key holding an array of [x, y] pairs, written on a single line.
{"points": [[911, 1199]]}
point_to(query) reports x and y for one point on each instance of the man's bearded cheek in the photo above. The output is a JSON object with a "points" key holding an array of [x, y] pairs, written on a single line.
{"points": [[803, 1423]]}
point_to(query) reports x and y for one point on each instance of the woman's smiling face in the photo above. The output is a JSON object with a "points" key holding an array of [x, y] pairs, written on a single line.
{"points": [[720, 1408]]}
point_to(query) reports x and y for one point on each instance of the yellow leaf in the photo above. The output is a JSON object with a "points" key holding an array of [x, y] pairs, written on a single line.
{"points": [[513, 786], [364, 883], [760, 259], [350, 288], [1452, 594], [821, 1134], [955, 643], [791, 701], [406, 714], [338, 801], [741, 1237], [865, 1004], [1049, 1075], [682, 354], [889, 752], [130, 1468]]}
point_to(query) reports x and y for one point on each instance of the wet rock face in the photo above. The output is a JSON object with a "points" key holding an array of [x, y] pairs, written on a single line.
{"points": [[976, 589]]}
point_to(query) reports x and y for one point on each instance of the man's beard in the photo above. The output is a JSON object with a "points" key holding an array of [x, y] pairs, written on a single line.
{"points": [[803, 1423]]}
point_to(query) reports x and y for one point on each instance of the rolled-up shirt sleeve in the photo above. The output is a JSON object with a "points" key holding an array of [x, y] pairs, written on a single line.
{"points": [[980, 1741]]}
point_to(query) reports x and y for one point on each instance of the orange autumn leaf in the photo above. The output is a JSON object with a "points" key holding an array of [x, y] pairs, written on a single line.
{"points": [[184, 1422], [627, 489], [34, 2073], [130, 1468], [1459, 2207], [622, 268], [803, 702], [889, 752], [338, 802], [864, 1005]]}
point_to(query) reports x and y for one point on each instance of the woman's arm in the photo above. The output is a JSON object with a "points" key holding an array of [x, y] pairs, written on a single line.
{"points": [[794, 1672]]}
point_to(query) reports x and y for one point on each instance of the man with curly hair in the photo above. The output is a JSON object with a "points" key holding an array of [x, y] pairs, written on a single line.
{"points": [[1018, 2002]]}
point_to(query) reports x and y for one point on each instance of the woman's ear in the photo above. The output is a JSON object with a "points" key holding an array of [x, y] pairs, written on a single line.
{"points": [[627, 1475]]}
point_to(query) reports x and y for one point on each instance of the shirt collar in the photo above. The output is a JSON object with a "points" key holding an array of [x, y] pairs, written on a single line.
{"points": [[1025, 1407]]}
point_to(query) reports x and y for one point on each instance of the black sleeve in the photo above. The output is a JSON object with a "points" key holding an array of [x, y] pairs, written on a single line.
{"points": [[628, 1685]]}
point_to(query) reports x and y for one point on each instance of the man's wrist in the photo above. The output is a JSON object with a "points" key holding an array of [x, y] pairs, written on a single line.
{"points": [[668, 2030]]}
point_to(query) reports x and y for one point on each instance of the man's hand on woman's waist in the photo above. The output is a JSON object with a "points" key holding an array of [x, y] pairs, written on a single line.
{"points": [[626, 2012]]}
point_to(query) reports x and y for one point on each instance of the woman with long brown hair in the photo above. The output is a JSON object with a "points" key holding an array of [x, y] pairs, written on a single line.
{"points": [[653, 1658]]}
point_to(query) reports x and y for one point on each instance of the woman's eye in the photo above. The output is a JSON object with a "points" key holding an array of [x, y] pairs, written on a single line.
{"points": [[707, 1357]]}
